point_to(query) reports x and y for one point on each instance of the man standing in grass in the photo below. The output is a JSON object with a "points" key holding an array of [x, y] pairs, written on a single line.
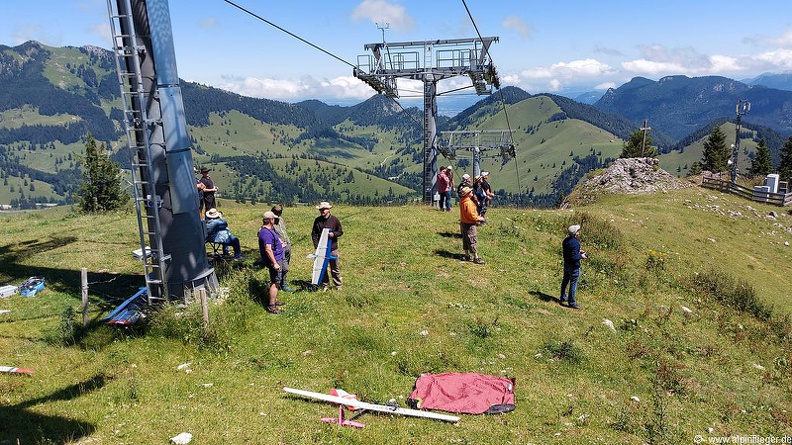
{"points": [[280, 230], [271, 251], [208, 189], [327, 221], [572, 257], [444, 189], [468, 220]]}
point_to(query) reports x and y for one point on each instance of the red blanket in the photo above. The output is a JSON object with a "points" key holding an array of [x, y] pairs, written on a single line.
{"points": [[463, 393]]}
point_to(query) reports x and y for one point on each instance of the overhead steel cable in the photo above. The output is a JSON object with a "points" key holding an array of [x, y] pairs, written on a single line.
{"points": [[289, 33], [503, 102]]}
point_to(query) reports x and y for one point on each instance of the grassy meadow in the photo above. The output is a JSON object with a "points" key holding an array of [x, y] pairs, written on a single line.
{"points": [[694, 283]]}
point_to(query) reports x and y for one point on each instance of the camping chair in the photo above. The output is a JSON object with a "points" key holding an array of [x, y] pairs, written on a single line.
{"points": [[217, 249]]}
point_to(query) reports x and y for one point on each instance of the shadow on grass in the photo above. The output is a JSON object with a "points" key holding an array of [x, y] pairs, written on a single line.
{"points": [[544, 297], [18, 425], [450, 235], [450, 255], [63, 280]]}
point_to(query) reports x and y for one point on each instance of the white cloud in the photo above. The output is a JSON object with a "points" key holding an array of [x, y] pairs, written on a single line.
{"points": [[780, 59], [381, 11], [517, 24], [605, 86], [102, 30], [290, 90], [554, 85], [577, 68], [650, 67], [210, 23]]}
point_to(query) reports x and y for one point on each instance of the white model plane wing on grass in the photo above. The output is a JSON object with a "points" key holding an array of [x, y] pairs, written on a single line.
{"points": [[372, 407], [15, 370], [321, 257]]}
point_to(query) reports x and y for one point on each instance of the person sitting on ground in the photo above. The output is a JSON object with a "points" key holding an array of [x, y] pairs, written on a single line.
{"points": [[217, 232]]}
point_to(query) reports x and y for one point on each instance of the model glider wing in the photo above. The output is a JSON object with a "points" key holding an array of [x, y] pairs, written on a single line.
{"points": [[14, 370], [373, 407], [321, 257]]}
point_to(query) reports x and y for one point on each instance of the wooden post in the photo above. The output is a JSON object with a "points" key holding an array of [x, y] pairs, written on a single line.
{"points": [[204, 307], [84, 276]]}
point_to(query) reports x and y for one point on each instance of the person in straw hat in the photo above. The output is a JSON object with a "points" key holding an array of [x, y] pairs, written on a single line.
{"points": [[327, 221]]}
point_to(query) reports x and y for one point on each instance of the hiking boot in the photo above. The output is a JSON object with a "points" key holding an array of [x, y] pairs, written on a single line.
{"points": [[478, 261], [274, 309], [466, 258], [574, 306], [562, 302], [286, 288]]}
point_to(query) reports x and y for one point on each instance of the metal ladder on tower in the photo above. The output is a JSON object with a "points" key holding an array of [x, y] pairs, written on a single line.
{"points": [[136, 121]]}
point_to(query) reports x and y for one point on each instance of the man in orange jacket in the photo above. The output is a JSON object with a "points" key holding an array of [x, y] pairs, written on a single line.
{"points": [[468, 220]]}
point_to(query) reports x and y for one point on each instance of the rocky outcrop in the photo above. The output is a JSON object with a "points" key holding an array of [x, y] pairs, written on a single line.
{"points": [[626, 176]]}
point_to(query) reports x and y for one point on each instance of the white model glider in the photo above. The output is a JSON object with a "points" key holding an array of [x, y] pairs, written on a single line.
{"points": [[372, 407], [15, 370], [321, 257]]}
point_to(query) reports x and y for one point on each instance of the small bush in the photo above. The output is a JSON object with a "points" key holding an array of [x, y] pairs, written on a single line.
{"points": [[563, 351], [600, 233], [736, 294]]}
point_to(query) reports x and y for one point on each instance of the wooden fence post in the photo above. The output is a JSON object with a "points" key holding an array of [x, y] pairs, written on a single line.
{"points": [[84, 277], [204, 307]]}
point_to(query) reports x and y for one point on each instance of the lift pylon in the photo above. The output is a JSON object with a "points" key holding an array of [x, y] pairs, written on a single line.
{"points": [[477, 141], [429, 61]]}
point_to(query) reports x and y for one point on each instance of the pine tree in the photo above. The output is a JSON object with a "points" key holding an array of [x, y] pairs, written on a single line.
{"points": [[762, 164], [716, 153], [785, 164], [100, 189], [632, 147]]}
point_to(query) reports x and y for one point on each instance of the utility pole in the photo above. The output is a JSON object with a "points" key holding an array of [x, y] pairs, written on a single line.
{"points": [[743, 107], [645, 128]]}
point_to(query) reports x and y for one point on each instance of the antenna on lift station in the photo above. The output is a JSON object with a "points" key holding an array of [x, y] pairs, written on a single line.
{"points": [[382, 27]]}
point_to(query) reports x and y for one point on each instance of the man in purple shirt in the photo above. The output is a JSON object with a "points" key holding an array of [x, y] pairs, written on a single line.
{"points": [[271, 251]]}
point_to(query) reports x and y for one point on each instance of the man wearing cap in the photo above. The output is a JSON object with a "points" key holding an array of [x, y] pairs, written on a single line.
{"points": [[280, 230], [206, 185], [572, 257], [444, 190], [468, 219], [271, 251], [466, 182], [327, 221]]}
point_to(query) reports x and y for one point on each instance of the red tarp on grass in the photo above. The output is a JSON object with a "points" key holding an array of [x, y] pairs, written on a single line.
{"points": [[466, 393]]}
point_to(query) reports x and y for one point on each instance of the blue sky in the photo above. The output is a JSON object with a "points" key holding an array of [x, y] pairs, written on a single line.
{"points": [[545, 46]]}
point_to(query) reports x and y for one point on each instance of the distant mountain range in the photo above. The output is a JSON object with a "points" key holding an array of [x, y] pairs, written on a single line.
{"points": [[678, 105], [50, 98]]}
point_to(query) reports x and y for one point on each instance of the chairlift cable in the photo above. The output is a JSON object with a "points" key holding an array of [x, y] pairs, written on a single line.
{"points": [[503, 102], [289, 33]]}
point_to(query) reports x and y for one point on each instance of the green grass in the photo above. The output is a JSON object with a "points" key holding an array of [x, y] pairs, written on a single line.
{"points": [[410, 306]]}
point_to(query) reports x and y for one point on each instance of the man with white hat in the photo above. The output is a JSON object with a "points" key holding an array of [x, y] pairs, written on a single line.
{"points": [[572, 257], [327, 221]]}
